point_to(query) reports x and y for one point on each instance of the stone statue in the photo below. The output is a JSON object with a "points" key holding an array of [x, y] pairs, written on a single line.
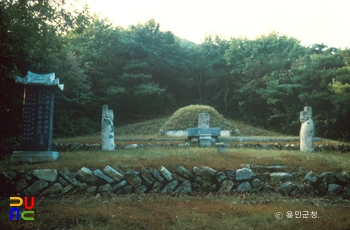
{"points": [[107, 129], [306, 130]]}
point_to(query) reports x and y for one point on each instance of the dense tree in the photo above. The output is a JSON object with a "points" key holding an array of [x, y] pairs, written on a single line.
{"points": [[142, 72], [30, 40], [251, 61]]}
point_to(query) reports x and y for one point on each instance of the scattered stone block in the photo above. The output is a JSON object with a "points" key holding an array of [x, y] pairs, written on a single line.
{"points": [[286, 188], [83, 186], [156, 187], [226, 186], [69, 176], [155, 173], [256, 190], [147, 176], [334, 189], [85, 175], [182, 171], [268, 189], [220, 177], [67, 189], [167, 175], [256, 183], [98, 173], [209, 171], [230, 173], [212, 188], [185, 187], [346, 192], [133, 178], [114, 174], [170, 187], [343, 177], [131, 146], [329, 177], [45, 174], [280, 176], [62, 181], [244, 187], [54, 189], [322, 188], [91, 189], [106, 188], [311, 177], [141, 189], [244, 174], [26, 175], [179, 178], [119, 185], [128, 189], [203, 174], [36, 188]]}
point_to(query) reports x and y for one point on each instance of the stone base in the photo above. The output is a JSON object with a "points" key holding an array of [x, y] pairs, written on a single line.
{"points": [[221, 147], [34, 156], [205, 140]]}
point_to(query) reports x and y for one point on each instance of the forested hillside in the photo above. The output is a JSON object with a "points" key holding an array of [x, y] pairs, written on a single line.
{"points": [[143, 72]]}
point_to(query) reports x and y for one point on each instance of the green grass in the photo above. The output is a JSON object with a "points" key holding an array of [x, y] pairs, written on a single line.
{"points": [[189, 157], [150, 129], [187, 117]]}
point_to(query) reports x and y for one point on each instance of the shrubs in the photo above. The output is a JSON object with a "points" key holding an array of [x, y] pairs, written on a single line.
{"points": [[187, 117]]}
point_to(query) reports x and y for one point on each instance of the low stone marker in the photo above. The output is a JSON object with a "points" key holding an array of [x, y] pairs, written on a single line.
{"points": [[221, 147], [107, 129], [306, 130], [38, 110], [205, 133]]}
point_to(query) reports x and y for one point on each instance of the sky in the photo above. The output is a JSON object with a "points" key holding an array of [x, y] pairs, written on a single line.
{"points": [[309, 21]]}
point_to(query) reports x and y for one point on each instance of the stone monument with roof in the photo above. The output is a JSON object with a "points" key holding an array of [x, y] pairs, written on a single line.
{"points": [[38, 110]]}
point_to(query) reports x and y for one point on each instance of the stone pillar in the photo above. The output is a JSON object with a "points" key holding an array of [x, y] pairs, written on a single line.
{"points": [[204, 120], [38, 109], [107, 129], [306, 130]]}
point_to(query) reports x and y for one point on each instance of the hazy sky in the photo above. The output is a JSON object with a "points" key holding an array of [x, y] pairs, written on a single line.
{"points": [[310, 21]]}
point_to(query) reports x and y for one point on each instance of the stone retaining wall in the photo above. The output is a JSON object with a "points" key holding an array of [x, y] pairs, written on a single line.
{"points": [[257, 179], [276, 146]]}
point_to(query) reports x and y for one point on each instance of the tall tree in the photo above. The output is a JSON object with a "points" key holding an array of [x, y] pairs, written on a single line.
{"points": [[29, 41], [250, 61]]}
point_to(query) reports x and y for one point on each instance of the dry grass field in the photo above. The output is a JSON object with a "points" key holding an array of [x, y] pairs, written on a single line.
{"points": [[198, 211]]}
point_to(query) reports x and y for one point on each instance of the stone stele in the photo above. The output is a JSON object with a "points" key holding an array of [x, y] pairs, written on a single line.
{"points": [[204, 120], [38, 109]]}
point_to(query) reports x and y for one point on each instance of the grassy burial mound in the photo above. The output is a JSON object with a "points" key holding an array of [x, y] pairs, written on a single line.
{"points": [[187, 117]]}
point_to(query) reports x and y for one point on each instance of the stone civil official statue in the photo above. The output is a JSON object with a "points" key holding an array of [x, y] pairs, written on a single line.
{"points": [[306, 130]]}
